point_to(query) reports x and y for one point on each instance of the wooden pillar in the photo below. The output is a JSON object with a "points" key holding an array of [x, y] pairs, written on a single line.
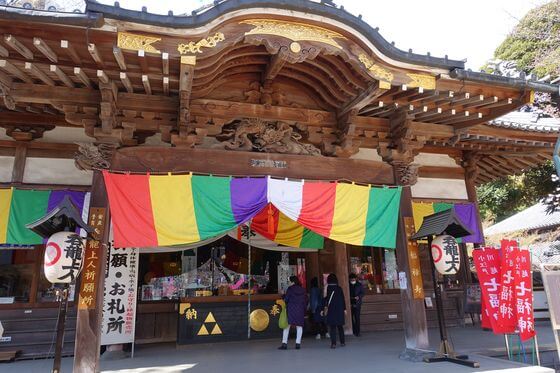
{"points": [[88, 323], [414, 312], [19, 162], [470, 160], [312, 266], [341, 271]]}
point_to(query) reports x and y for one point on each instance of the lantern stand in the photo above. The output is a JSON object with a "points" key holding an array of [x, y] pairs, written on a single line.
{"points": [[444, 222], [64, 217]]}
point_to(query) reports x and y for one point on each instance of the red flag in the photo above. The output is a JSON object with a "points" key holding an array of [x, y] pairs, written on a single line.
{"points": [[507, 314], [524, 295], [484, 315], [487, 262]]}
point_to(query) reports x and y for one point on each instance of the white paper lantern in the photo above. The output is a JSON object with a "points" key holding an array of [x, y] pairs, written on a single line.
{"points": [[63, 257], [445, 252]]}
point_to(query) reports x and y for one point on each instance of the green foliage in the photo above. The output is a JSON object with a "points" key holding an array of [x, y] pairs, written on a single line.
{"points": [[535, 42], [502, 198]]}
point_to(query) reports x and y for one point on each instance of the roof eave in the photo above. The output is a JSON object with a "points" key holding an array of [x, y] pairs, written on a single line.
{"points": [[221, 8], [87, 19], [505, 81]]}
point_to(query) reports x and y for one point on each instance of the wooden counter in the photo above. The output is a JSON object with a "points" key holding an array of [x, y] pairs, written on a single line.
{"points": [[232, 298]]}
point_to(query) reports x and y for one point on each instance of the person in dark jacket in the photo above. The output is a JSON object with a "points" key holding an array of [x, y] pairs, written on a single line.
{"points": [[356, 295], [316, 308], [336, 310], [296, 303]]}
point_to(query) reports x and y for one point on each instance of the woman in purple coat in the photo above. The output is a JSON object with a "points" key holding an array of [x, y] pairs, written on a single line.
{"points": [[296, 303]]}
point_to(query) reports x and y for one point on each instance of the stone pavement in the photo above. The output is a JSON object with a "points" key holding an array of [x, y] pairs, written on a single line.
{"points": [[374, 352]]}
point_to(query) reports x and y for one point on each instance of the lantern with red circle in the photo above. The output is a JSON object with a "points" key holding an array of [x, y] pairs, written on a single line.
{"points": [[445, 252], [63, 257]]}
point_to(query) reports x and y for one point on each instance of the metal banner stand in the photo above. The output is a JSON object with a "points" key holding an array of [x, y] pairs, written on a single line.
{"points": [[551, 281], [446, 351], [63, 307]]}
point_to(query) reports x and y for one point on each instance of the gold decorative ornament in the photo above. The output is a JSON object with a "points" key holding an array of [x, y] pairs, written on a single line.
{"points": [[188, 60], [376, 70], [294, 31], [137, 42], [295, 47], [259, 320], [209, 42], [421, 80]]}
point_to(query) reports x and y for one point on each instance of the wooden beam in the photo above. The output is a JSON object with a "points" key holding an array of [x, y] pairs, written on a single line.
{"points": [[94, 52], [4, 52], [18, 46], [39, 74], [62, 76], [102, 76], [142, 61], [119, 57], [166, 85], [45, 49], [375, 90], [126, 82], [165, 63], [80, 74], [70, 51], [273, 67], [146, 84], [14, 70]]}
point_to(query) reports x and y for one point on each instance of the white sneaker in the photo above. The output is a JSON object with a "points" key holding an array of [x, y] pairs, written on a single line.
{"points": [[328, 335], [318, 336]]}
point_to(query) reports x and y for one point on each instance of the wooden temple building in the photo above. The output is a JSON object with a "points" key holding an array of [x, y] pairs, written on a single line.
{"points": [[287, 89]]}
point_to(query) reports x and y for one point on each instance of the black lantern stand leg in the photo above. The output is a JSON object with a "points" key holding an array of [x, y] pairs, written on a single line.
{"points": [[446, 352], [60, 328]]}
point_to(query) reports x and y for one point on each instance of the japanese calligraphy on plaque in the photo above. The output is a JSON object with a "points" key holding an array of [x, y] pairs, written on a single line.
{"points": [[90, 271], [119, 305], [413, 260]]}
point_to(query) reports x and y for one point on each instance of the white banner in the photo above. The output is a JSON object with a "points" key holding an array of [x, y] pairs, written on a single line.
{"points": [[119, 302]]}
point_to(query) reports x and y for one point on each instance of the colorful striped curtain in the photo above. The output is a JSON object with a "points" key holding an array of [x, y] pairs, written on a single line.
{"points": [[19, 207], [465, 211], [161, 210], [275, 226]]}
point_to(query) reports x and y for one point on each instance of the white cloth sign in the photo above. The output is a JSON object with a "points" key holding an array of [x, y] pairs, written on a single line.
{"points": [[119, 303]]}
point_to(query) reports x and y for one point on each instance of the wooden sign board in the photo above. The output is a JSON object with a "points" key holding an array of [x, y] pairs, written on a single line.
{"points": [[90, 272], [413, 260]]}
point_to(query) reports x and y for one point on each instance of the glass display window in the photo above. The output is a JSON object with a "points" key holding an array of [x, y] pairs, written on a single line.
{"points": [[16, 275]]}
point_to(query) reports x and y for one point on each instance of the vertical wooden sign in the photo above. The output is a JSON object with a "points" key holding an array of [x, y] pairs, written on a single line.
{"points": [[91, 276], [413, 260]]}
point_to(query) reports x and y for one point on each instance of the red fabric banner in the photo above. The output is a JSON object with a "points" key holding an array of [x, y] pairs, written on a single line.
{"points": [[487, 262], [507, 316], [484, 315], [524, 294]]}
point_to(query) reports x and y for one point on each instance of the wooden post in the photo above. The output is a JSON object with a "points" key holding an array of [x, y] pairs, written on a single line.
{"points": [[88, 323], [312, 266], [19, 162], [413, 310], [470, 160], [341, 271]]}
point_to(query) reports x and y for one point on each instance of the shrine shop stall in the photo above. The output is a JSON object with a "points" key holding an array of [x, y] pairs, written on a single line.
{"points": [[218, 152]]}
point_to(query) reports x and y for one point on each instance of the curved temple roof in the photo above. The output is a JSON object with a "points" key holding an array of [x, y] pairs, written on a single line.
{"points": [[222, 7]]}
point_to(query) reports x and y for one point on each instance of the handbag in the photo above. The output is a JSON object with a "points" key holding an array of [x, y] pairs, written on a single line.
{"points": [[283, 318], [326, 310]]}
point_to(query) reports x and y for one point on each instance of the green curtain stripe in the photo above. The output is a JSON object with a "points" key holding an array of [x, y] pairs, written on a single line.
{"points": [[382, 217], [311, 240], [27, 206], [212, 205]]}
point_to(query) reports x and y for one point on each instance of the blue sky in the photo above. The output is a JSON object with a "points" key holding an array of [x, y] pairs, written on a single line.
{"points": [[461, 29]]}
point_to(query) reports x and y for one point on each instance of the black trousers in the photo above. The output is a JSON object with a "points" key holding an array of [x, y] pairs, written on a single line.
{"points": [[333, 329], [356, 319]]}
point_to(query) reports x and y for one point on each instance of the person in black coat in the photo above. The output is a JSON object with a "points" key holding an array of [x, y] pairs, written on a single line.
{"points": [[356, 295], [336, 310]]}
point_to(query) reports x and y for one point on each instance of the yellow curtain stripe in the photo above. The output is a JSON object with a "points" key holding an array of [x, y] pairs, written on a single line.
{"points": [[173, 209], [350, 211], [5, 202], [289, 232]]}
